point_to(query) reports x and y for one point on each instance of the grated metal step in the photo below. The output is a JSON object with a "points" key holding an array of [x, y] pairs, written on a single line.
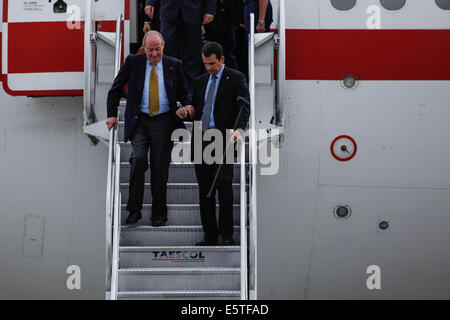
{"points": [[180, 214], [139, 236], [121, 127], [178, 173], [186, 193], [145, 279], [180, 295], [182, 151]]}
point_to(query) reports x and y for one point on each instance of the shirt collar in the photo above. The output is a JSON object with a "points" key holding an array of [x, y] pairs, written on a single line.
{"points": [[219, 74], [159, 65]]}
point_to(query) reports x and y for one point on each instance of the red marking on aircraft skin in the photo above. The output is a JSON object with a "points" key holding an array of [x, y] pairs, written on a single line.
{"points": [[127, 10], [45, 47], [343, 137], [1, 57], [420, 55], [64, 55], [368, 54], [5, 10]]}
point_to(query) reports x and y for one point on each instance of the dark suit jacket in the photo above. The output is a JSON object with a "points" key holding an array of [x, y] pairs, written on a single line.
{"points": [[226, 107], [133, 74], [192, 11]]}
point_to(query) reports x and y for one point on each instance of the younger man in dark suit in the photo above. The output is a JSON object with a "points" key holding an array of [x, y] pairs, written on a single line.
{"points": [[216, 106]]}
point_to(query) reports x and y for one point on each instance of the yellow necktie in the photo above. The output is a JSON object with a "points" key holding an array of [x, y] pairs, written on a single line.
{"points": [[153, 97]]}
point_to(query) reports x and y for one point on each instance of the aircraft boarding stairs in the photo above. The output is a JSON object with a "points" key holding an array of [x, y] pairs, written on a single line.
{"points": [[163, 262], [146, 262]]}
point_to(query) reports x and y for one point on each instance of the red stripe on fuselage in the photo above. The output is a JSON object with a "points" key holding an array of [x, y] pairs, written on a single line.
{"points": [[45, 47], [127, 10], [368, 54], [35, 47], [5, 10]]}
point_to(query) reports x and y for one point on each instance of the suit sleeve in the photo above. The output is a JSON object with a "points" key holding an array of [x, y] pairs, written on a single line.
{"points": [[116, 91], [211, 6], [242, 91], [194, 99], [184, 94], [153, 3]]}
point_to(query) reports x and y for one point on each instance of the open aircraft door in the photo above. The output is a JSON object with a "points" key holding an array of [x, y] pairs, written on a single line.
{"points": [[49, 47]]}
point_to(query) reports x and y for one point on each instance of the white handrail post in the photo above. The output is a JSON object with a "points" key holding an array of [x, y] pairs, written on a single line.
{"points": [[118, 47], [253, 160], [281, 61], [243, 224], [116, 224], [113, 201], [109, 207], [87, 110]]}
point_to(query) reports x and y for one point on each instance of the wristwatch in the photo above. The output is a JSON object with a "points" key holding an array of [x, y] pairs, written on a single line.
{"points": [[261, 22]]}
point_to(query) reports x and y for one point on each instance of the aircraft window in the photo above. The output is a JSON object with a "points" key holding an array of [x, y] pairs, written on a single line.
{"points": [[343, 4], [393, 4], [443, 4], [60, 7]]}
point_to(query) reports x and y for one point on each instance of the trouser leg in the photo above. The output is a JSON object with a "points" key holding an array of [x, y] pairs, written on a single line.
{"points": [[160, 156], [139, 164], [191, 51], [171, 34], [225, 189], [205, 177]]}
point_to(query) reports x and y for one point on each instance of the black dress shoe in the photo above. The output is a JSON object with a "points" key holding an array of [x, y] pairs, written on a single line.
{"points": [[133, 217], [228, 241], [206, 242], [158, 223]]}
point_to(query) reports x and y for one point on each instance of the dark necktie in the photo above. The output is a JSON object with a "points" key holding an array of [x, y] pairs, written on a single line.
{"points": [[207, 109]]}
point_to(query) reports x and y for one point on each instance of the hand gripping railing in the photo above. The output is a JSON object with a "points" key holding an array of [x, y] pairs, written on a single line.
{"points": [[113, 201]]}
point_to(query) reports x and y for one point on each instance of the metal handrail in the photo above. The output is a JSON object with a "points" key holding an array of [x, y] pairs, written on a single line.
{"points": [[116, 226], [253, 160], [109, 204], [112, 192], [281, 62], [88, 26], [118, 46], [243, 210]]}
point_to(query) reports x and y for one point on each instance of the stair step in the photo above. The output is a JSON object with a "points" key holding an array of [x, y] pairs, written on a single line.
{"points": [[180, 214], [179, 256], [177, 193], [137, 236], [121, 126], [144, 279], [180, 295], [178, 173], [181, 149]]}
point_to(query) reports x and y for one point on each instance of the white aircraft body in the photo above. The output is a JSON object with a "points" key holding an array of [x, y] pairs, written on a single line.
{"points": [[353, 202]]}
